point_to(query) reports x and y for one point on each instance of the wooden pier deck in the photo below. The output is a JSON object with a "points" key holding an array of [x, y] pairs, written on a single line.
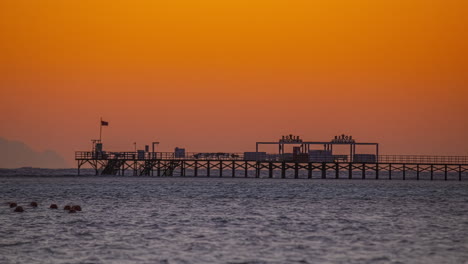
{"points": [[166, 164]]}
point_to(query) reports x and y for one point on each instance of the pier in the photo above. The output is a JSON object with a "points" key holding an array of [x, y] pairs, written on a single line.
{"points": [[302, 163]]}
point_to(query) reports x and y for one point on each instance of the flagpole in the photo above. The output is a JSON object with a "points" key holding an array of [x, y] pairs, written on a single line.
{"points": [[100, 130]]}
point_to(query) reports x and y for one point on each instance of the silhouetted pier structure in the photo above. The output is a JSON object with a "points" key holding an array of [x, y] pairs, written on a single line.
{"points": [[322, 164]]}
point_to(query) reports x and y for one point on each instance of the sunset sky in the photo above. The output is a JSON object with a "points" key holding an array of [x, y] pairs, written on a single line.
{"points": [[212, 75]]}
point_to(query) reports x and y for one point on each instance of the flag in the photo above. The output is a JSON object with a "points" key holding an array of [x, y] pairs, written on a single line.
{"points": [[104, 123]]}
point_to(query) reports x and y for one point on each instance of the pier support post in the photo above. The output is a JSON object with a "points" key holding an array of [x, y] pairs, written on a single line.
{"points": [[324, 170], [363, 171], [377, 171], [79, 166], [337, 170], [432, 172], [389, 171], [246, 172], [158, 169], [283, 170], [233, 169], [96, 167], [135, 168], [182, 168], [404, 171], [350, 171], [309, 169], [208, 168], [445, 176], [257, 169], [220, 168], [417, 172], [459, 172], [270, 169], [296, 170], [195, 170]]}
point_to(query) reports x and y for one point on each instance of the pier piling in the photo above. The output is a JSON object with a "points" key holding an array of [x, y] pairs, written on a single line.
{"points": [[350, 171], [445, 172], [363, 171], [417, 172], [404, 171], [324, 170], [337, 170]]}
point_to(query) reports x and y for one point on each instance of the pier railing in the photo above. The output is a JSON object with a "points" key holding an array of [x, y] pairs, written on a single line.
{"points": [[157, 156], [423, 159], [407, 159]]}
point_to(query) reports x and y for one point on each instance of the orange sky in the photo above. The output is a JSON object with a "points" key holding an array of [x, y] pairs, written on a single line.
{"points": [[214, 75]]}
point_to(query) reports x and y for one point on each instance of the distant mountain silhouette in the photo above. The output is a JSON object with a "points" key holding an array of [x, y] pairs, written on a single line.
{"points": [[15, 154]]}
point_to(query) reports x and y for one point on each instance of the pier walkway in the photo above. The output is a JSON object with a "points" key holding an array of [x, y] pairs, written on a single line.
{"points": [[166, 164]]}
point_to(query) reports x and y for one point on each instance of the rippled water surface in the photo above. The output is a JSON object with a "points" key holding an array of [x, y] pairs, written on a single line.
{"points": [[201, 220]]}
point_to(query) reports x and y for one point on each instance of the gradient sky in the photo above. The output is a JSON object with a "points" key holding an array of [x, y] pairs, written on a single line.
{"points": [[214, 75]]}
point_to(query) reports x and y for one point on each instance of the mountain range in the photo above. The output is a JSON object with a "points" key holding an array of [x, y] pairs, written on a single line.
{"points": [[16, 154]]}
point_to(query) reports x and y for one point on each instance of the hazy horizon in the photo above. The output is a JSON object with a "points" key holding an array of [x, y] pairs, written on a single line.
{"points": [[16, 154]]}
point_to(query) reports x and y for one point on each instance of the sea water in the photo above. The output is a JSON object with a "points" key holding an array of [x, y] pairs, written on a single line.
{"points": [[213, 220]]}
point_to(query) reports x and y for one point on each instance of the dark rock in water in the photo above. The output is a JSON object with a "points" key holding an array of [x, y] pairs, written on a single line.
{"points": [[13, 205], [33, 204], [53, 206], [76, 208], [19, 209], [67, 207], [72, 211]]}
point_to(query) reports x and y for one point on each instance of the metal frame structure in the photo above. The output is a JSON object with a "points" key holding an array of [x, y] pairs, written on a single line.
{"points": [[327, 146]]}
